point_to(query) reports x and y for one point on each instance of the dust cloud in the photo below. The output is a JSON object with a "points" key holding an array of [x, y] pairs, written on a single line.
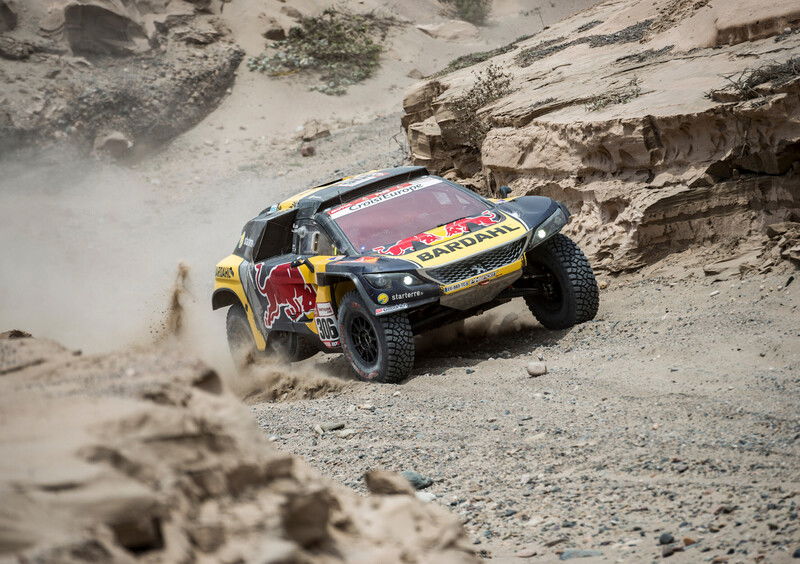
{"points": [[90, 251]]}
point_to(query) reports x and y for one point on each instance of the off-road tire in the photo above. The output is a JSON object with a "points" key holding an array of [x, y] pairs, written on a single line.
{"points": [[394, 342], [290, 346], [240, 338], [287, 346], [579, 296]]}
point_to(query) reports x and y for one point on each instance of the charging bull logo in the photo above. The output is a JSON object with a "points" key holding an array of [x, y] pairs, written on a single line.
{"points": [[461, 226], [286, 291], [405, 245], [457, 227]]}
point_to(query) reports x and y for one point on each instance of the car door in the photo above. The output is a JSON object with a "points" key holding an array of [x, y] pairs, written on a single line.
{"points": [[285, 295]]}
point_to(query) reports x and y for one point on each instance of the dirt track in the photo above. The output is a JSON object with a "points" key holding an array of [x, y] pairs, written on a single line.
{"points": [[674, 411]]}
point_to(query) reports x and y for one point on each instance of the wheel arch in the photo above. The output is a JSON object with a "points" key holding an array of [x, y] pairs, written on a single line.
{"points": [[223, 297]]}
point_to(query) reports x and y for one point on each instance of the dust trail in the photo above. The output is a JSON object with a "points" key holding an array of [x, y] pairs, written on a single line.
{"points": [[272, 380], [501, 322], [173, 323]]}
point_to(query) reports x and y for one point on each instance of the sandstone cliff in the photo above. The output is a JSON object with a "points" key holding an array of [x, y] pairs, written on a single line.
{"points": [[662, 125]]}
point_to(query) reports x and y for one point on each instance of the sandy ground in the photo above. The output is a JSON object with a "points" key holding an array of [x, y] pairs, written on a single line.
{"points": [[674, 411]]}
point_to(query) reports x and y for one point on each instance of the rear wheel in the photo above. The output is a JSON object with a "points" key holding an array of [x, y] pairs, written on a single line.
{"points": [[285, 345], [380, 349], [570, 292], [240, 338]]}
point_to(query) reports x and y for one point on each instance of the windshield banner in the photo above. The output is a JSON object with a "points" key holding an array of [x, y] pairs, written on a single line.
{"points": [[382, 196]]}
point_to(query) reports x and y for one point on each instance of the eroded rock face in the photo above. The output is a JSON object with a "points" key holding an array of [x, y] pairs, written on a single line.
{"points": [[150, 68], [104, 27], [651, 146], [145, 457]]}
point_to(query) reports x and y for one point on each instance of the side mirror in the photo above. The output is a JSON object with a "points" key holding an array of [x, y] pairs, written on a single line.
{"points": [[504, 191]]}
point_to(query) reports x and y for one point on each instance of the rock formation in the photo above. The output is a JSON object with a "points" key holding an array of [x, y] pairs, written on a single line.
{"points": [[145, 457], [662, 125], [77, 70]]}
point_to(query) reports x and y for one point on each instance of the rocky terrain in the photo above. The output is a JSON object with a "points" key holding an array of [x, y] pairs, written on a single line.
{"points": [[663, 126], [672, 413], [146, 457], [112, 76]]}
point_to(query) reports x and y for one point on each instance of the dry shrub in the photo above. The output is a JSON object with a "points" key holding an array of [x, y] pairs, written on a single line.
{"points": [[473, 11], [343, 47], [490, 84]]}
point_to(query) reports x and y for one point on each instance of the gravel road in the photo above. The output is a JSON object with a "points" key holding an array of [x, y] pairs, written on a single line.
{"points": [[671, 417]]}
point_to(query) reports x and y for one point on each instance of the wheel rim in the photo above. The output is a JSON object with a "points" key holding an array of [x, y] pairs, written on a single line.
{"points": [[365, 340], [552, 297]]}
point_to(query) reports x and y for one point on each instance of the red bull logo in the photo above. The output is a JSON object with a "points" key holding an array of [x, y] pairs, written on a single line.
{"points": [[457, 227], [460, 226], [286, 291], [405, 245]]}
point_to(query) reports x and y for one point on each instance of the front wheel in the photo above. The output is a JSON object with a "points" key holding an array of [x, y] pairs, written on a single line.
{"points": [[570, 293], [380, 349]]}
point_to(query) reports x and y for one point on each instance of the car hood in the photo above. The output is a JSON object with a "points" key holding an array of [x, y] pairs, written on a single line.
{"points": [[457, 240]]}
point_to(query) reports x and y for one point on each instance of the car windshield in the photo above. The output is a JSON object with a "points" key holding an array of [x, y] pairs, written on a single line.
{"points": [[378, 221]]}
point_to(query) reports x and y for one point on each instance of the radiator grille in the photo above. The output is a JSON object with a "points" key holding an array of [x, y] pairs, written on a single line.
{"points": [[478, 264]]}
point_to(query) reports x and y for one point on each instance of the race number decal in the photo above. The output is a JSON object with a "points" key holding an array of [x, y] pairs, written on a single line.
{"points": [[326, 325]]}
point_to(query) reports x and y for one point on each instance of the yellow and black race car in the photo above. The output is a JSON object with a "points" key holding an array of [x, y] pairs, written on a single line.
{"points": [[362, 264]]}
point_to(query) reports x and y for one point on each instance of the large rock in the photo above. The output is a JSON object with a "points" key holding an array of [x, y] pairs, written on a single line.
{"points": [[104, 27], [452, 30], [635, 125], [146, 457], [8, 15]]}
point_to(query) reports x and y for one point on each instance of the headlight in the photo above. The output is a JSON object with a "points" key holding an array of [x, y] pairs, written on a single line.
{"points": [[549, 227], [384, 281]]}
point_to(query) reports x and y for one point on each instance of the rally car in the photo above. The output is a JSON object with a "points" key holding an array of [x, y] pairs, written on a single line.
{"points": [[362, 264]]}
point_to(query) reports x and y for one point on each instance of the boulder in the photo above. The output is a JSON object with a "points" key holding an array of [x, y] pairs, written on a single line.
{"points": [[8, 15], [274, 31], [114, 144], [452, 30], [104, 27], [383, 482]]}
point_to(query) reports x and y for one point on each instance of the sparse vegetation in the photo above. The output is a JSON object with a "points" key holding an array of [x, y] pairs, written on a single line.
{"points": [[473, 11], [743, 85], [343, 47], [491, 84], [632, 33], [471, 59], [622, 95]]}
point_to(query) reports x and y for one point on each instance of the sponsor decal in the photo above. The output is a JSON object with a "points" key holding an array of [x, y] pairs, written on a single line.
{"points": [[457, 227], [390, 309], [224, 272], [286, 291], [246, 241], [361, 260], [466, 242], [382, 196], [383, 299], [470, 282], [461, 226], [407, 295], [361, 179], [327, 328], [405, 245]]}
